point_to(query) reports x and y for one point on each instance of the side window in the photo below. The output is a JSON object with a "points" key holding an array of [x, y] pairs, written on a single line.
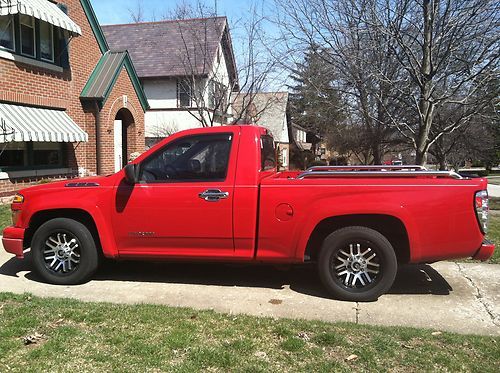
{"points": [[193, 158], [267, 153]]}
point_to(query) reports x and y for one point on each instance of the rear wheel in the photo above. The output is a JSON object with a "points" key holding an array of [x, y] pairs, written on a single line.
{"points": [[357, 264], [64, 252]]}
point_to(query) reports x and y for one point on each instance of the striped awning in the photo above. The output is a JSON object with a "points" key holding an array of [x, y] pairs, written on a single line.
{"points": [[43, 10], [22, 123]]}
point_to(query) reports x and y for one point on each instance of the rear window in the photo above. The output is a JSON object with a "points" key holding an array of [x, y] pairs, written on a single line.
{"points": [[267, 153]]}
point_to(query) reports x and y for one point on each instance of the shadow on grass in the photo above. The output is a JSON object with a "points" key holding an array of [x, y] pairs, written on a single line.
{"points": [[411, 279]]}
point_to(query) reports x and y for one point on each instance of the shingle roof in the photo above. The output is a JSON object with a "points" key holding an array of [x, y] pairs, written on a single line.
{"points": [[173, 48]]}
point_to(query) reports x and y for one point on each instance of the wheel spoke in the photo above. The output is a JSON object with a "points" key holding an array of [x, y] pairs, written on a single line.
{"points": [[343, 265], [344, 253], [368, 277], [59, 264], [356, 265], [62, 252], [54, 261]]}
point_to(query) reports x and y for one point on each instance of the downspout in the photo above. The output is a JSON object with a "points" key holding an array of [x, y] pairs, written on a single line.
{"points": [[98, 144]]}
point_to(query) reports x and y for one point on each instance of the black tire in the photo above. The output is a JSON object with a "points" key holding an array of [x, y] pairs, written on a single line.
{"points": [[354, 284], [71, 261]]}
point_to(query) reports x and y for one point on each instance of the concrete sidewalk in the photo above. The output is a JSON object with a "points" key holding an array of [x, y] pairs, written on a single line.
{"points": [[462, 298], [493, 190]]}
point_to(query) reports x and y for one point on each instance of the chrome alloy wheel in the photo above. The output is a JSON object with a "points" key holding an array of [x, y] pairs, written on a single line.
{"points": [[357, 268], [61, 253]]}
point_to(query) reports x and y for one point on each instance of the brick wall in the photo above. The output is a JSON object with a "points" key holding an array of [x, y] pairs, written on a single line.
{"points": [[30, 85]]}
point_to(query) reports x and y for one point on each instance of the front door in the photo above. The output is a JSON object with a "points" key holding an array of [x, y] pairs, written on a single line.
{"points": [[118, 135], [183, 205]]}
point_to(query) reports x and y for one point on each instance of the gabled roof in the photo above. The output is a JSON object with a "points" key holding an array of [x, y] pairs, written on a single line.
{"points": [[107, 70], [174, 48], [105, 74]]}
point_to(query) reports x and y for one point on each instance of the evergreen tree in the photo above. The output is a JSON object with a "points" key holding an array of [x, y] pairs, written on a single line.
{"points": [[314, 102]]}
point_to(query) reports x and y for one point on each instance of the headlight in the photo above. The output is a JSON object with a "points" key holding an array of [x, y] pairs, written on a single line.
{"points": [[481, 205], [18, 198]]}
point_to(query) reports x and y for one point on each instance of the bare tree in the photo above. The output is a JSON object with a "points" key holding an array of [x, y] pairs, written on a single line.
{"points": [[450, 51], [212, 93], [362, 68], [137, 13], [400, 62], [209, 91]]}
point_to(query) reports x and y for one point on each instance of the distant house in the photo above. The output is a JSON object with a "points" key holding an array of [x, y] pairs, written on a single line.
{"points": [[187, 68], [68, 104], [270, 110]]}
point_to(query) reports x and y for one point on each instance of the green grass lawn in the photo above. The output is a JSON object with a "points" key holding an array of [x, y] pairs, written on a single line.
{"points": [[5, 219], [494, 235], [96, 337]]}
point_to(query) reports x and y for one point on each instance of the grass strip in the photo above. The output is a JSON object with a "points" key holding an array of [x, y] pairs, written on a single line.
{"points": [[107, 337]]}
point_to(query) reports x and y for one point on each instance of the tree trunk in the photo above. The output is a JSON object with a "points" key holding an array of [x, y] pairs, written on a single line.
{"points": [[426, 106], [377, 154]]}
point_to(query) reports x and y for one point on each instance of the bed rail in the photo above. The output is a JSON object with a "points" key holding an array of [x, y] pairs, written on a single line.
{"points": [[408, 171]]}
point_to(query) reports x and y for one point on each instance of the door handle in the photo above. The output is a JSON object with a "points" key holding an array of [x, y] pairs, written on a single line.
{"points": [[213, 195]]}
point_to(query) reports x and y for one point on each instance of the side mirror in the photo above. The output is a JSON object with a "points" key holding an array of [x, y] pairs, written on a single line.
{"points": [[132, 173]]}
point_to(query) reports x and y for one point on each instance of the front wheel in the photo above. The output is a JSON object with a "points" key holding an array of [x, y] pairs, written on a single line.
{"points": [[64, 252], [357, 264]]}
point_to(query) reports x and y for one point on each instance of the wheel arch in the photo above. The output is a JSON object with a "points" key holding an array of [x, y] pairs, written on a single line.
{"points": [[389, 226], [80, 215]]}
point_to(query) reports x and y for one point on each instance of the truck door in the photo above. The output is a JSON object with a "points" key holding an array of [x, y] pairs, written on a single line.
{"points": [[183, 204]]}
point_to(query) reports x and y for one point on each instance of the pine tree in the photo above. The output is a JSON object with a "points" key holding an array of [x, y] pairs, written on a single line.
{"points": [[314, 102]]}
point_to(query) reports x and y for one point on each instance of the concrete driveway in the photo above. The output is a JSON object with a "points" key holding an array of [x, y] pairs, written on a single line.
{"points": [[463, 297]]}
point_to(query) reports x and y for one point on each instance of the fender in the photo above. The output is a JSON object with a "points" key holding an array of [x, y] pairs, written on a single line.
{"points": [[85, 199], [337, 206]]}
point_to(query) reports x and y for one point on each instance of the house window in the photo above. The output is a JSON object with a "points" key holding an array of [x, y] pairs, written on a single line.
{"points": [[184, 92], [31, 155], [26, 36], [284, 157], [13, 155], [47, 154], [7, 32], [46, 42], [217, 96], [27, 32]]}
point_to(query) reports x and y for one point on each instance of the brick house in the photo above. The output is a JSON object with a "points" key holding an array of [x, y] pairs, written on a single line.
{"points": [[187, 68], [68, 104]]}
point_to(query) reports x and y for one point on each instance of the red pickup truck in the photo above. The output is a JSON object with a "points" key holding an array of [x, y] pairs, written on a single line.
{"points": [[215, 194]]}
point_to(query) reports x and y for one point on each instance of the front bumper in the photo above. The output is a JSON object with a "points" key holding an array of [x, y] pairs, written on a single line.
{"points": [[485, 251], [12, 241]]}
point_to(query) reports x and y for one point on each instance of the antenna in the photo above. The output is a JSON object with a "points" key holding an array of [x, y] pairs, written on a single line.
{"points": [[215, 7]]}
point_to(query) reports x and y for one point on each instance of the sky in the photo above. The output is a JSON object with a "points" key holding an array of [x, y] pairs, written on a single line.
{"points": [[237, 11], [118, 11]]}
